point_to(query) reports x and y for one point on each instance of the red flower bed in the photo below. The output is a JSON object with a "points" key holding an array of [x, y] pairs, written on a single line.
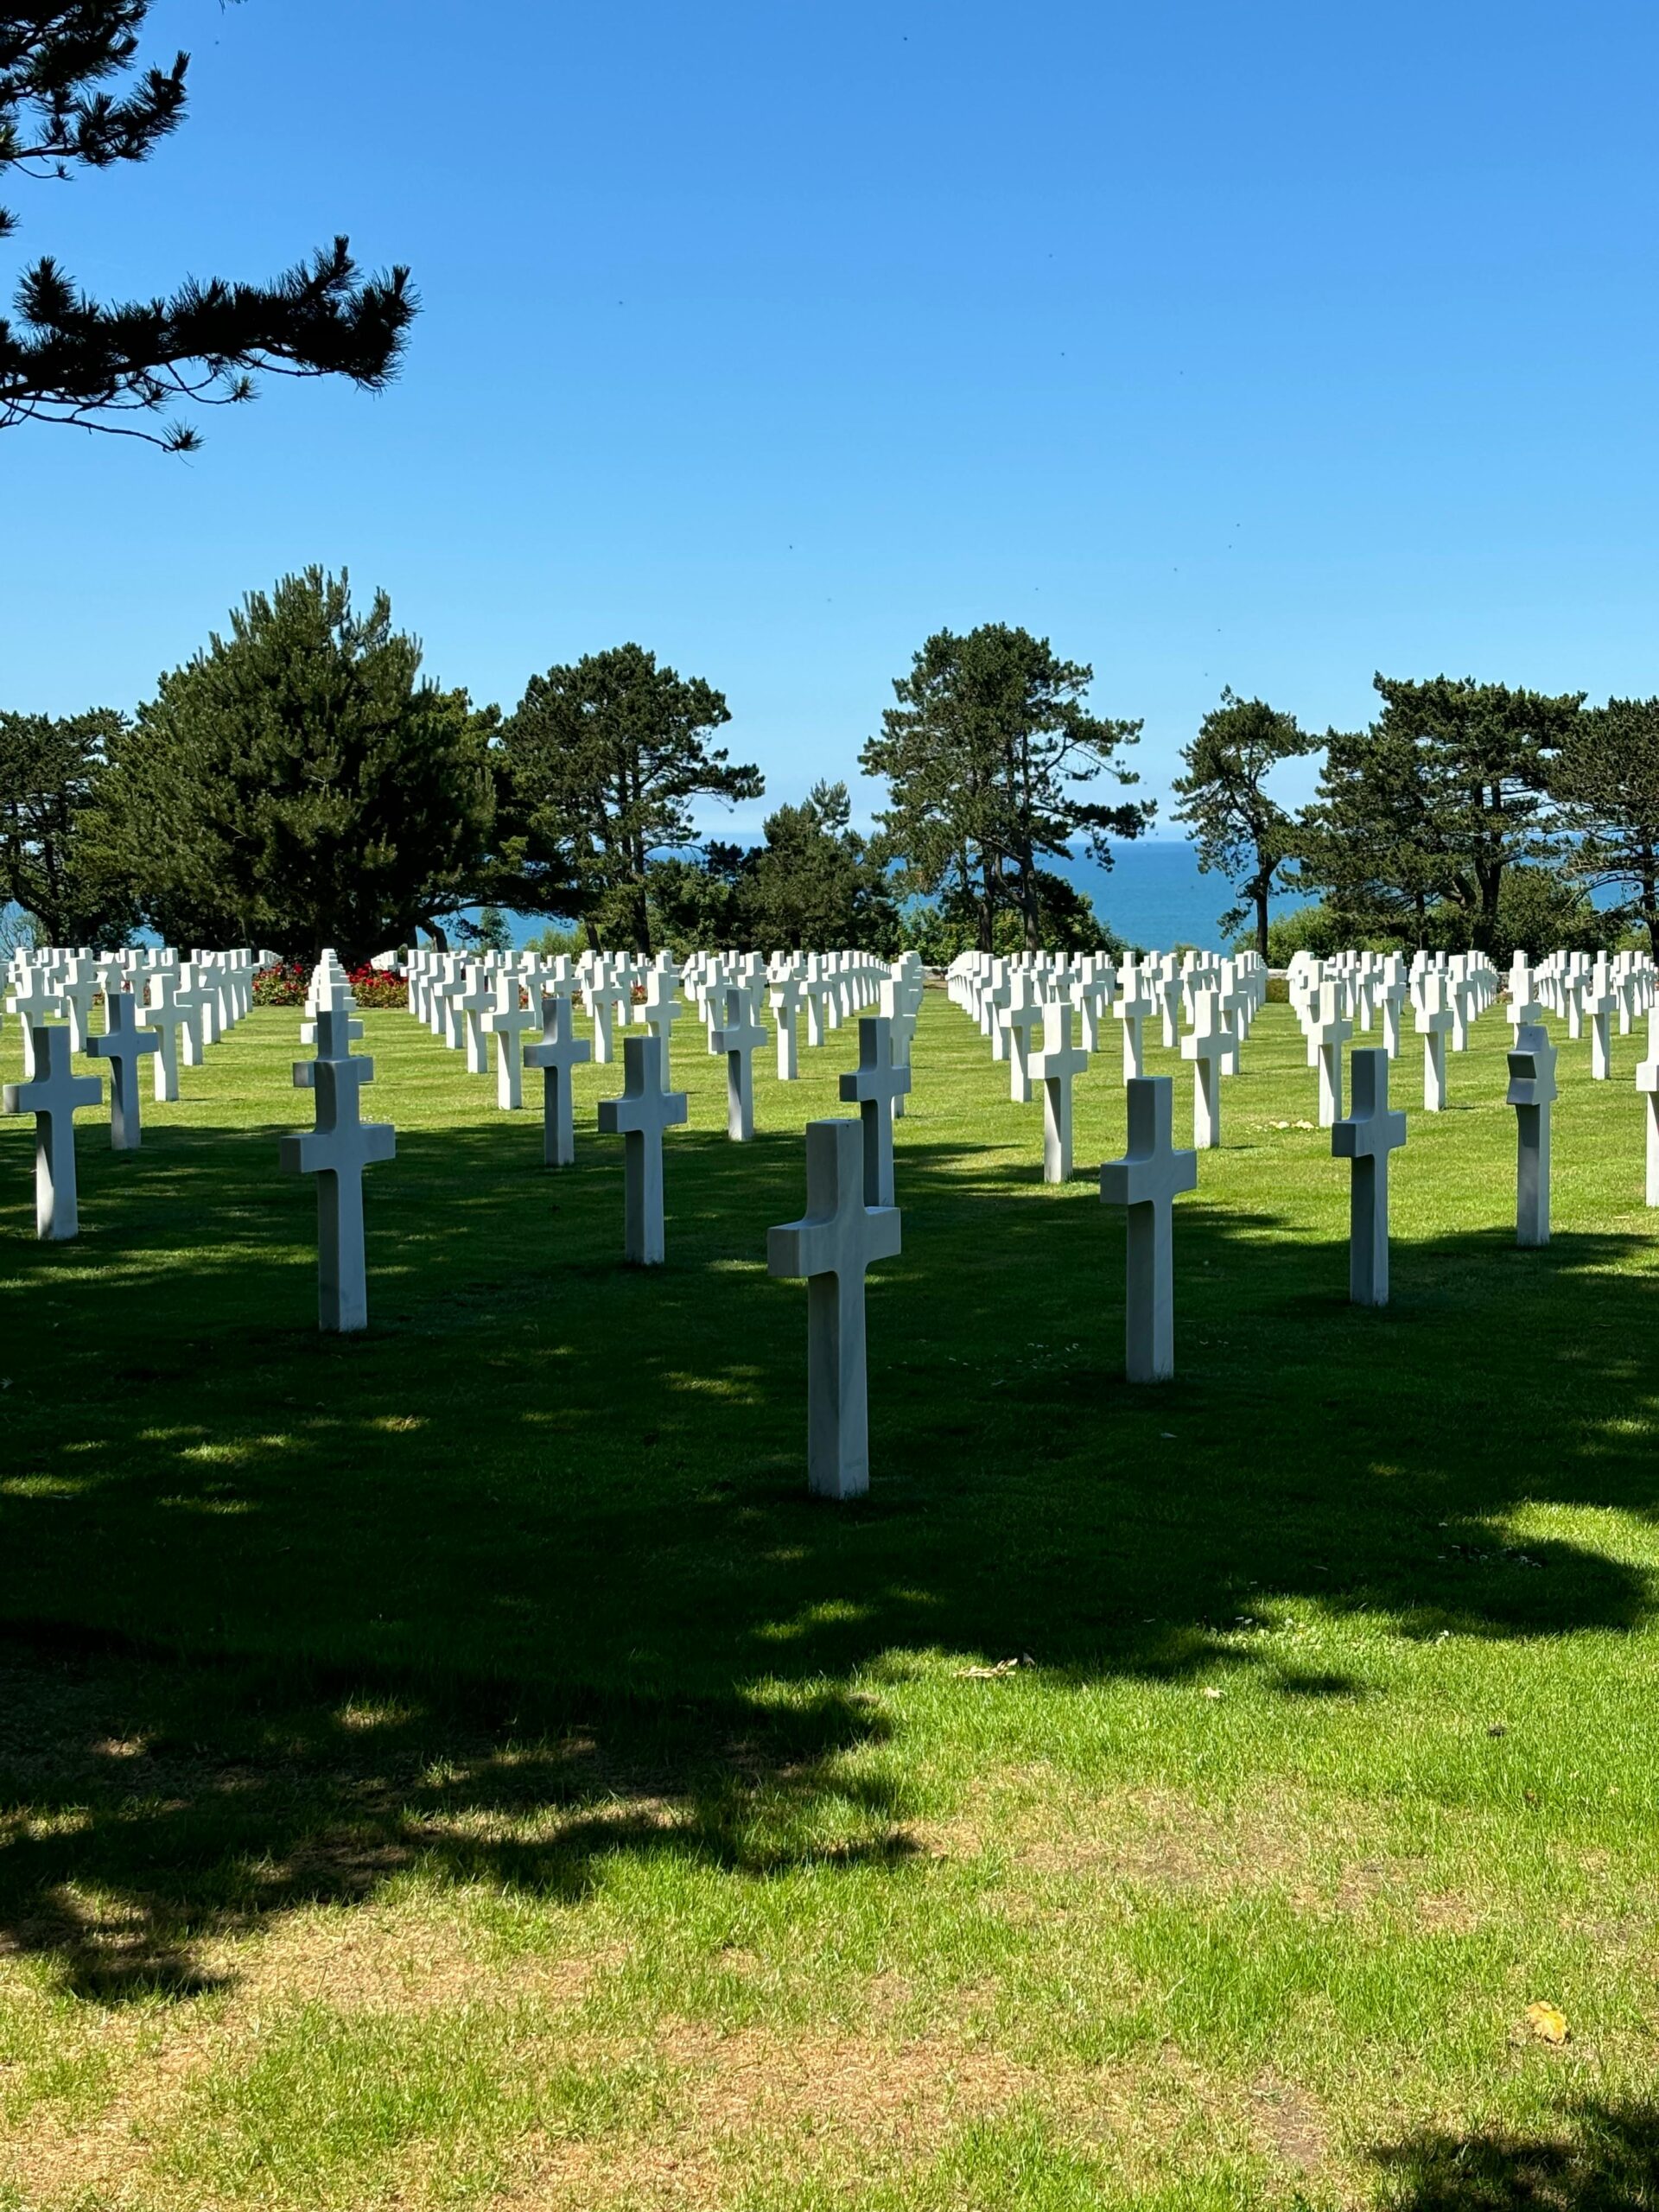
{"points": [[288, 985]]}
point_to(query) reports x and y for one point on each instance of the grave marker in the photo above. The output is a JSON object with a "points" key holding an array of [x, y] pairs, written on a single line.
{"points": [[124, 1044], [639, 1117], [832, 1244], [1145, 1182], [1366, 1138], [54, 1094]]}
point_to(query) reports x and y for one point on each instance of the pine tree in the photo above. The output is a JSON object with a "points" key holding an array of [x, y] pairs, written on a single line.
{"points": [[70, 359], [49, 771], [1239, 829], [1606, 778], [298, 783], [813, 884], [988, 756], [598, 765]]}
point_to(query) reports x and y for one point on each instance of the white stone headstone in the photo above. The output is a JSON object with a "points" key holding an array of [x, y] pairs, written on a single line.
{"points": [[1369, 1134], [336, 1152], [640, 1116], [1145, 1182], [559, 1051], [832, 1244], [54, 1094], [124, 1044], [1532, 1090]]}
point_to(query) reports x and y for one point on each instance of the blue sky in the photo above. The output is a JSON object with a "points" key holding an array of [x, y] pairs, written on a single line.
{"points": [[1263, 345]]}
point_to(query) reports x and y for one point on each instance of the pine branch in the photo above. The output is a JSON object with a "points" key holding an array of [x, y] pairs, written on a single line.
{"points": [[78, 362]]}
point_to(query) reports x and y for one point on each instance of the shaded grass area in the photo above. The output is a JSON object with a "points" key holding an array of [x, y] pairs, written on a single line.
{"points": [[461, 1764]]}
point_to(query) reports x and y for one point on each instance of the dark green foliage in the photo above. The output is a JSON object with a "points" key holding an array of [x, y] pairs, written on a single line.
{"points": [[1606, 778], [988, 754], [1447, 791], [298, 783], [813, 884], [698, 902], [48, 772], [76, 360], [1238, 829], [940, 928], [490, 932], [597, 767]]}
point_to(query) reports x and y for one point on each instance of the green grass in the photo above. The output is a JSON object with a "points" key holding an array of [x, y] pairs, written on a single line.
{"points": [[462, 1766]]}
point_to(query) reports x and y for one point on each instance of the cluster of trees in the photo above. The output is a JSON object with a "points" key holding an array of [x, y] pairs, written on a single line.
{"points": [[300, 781], [1466, 815]]}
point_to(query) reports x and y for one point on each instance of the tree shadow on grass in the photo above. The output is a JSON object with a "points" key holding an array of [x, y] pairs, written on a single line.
{"points": [[1608, 2162], [168, 1800], [527, 1578]]}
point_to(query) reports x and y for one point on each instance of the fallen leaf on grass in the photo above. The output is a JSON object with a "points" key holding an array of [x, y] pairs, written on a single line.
{"points": [[1212, 1692], [1547, 2022], [991, 1674]]}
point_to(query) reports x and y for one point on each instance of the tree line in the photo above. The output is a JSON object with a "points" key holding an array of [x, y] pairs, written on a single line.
{"points": [[1465, 816], [301, 781]]}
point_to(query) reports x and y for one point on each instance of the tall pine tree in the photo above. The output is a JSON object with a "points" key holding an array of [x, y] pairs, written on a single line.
{"points": [[298, 783]]}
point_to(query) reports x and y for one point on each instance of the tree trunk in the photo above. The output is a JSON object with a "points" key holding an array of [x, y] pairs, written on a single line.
{"points": [[1261, 918]]}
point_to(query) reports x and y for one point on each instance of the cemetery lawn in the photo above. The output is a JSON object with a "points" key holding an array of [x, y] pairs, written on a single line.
{"points": [[461, 1766]]}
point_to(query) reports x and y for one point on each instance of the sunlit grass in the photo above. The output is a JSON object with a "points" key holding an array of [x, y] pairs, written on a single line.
{"points": [[461, 1766]]}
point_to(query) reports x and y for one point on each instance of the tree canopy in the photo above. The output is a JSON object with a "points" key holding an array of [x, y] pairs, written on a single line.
{"points": [[73, 99], [1238, 829], [1447, 790], [989, 756], [1607, 779], [48, 772], [298, 782], [598, 765]]}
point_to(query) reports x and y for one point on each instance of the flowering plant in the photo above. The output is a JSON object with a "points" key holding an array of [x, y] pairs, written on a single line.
{"points": [[287, 985]]}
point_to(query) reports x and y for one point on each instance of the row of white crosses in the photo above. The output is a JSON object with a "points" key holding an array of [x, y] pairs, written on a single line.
{"points": [[151, 998], [470, 1003], [1335, 998], [1015, 1001]]}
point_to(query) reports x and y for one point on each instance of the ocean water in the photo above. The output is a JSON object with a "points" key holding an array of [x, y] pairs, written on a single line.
{"points": [[1153, 895]]}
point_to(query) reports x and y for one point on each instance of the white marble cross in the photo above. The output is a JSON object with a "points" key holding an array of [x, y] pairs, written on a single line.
{"points": [[33, 1000], [1369, 1134], [875, 1087], [559, 1051], [832, 1244], [124, 1044], [639, 1117], [1020, 1013], [1396, 989], [739, 1038], [472, 1001], [605, 997], [1328, 1031], [1054, 1067], [1647, 1081], [1209, 1047], [1134, 1009], [662, 1009], [788, 996], [77, 989], [1145, 1182], [507, 1021], [336, 1152], [162, 1013], [1532, 1087], [54, 1094], [1600, 1002], [1434, 1024]]}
